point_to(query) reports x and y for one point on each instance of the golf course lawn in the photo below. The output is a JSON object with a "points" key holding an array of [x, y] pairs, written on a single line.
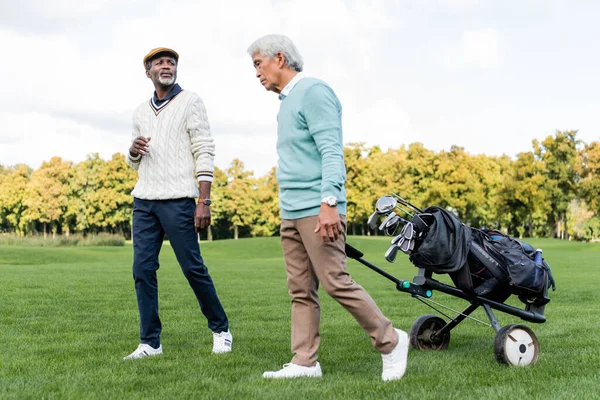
{"points": [[69, 315]]}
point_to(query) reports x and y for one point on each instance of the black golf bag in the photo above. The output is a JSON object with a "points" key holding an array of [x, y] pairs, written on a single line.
{"points": [[480, 262]]}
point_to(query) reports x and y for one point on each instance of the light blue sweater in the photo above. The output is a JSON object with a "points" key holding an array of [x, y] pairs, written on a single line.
{"points": [[310, 149]]}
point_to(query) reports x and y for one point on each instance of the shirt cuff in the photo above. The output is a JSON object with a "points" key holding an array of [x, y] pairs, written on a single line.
{"points": [[204, 176], [134, 159]]}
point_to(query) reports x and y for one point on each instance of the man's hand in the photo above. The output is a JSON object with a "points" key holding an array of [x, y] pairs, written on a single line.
{"points": [[202, 217], [329, 224], [139, 146]]}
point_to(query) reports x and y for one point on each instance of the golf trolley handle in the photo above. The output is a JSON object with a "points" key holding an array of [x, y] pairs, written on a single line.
{"points": [[402, 286]]}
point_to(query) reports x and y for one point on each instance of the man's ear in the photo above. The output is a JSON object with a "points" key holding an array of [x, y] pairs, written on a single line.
{"points": [[148, 75], [280, 57]]}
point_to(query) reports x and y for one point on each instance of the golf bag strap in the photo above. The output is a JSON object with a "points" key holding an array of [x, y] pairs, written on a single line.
{"points": [[462, 280]]}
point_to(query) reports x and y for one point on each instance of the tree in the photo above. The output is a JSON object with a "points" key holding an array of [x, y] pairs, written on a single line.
{"points": [[240, 197], [360, 196], [266, 216], [13, 182], [590, 182], [218, 208], [458, 183], [47, 194], [578, 217], [118, 182], [562, 166], [524, 201]]}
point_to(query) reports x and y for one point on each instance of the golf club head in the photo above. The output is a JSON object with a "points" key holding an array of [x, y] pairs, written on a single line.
{"points": [[408, 231], [373, 220], [406, 203], [392, 225], [386, 220], [390, 254], [385, 204], [407, 246], [397, 238]]}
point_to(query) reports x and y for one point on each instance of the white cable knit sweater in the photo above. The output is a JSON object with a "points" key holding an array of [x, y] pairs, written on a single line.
{"points": [[181, 149]]}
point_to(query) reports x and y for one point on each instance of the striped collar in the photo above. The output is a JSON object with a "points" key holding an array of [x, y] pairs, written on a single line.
{"points": [[159, 105]]}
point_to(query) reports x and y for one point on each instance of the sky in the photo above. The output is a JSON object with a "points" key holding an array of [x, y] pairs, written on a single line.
{"points": [[486, 75]]}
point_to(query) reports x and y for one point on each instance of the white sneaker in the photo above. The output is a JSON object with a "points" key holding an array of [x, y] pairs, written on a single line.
{"points": [[394, 363], [144, 350], [295, 371], [222, 342]]}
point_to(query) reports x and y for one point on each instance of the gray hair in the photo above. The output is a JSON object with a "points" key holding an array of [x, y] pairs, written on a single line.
{"points": [[270, 45]]}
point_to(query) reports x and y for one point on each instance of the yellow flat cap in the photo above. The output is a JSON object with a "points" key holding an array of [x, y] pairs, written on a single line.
{"points": [[159, 50]]}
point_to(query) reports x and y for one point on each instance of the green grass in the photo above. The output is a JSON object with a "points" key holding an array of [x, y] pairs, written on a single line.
{"points": [[68, 316]]}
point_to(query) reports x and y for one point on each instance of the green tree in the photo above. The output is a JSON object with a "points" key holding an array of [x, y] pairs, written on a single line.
{"points": [[360, 194], [119, 180], [562, 166], [218, 208], [240, 197], [524, 203], [47, 194], [458, 183], [590, 182], [13, 182], [267, 220], [578, 216]]}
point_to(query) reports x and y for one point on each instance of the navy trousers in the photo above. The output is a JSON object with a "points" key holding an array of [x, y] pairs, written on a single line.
{"points": [[151, 220]]}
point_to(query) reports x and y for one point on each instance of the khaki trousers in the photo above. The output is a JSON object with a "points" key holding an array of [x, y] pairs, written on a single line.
{"points": [[309, 261]]}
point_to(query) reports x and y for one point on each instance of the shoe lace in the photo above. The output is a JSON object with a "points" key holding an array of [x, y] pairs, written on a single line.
{"points": [[388, 359], [139, 350]]}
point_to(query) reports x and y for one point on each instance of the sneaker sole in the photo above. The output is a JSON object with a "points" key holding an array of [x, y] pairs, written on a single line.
{"points": [[138, 358], [292, 377]]}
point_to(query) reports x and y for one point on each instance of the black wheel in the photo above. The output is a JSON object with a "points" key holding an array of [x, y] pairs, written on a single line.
{"points": [[516, 345], [423, 330]]}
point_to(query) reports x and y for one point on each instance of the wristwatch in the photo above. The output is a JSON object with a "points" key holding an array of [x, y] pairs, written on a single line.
{"points": [[206, 202], [330, 201]]}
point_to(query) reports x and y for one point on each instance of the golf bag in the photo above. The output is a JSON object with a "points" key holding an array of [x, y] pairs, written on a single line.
{"points": [[481, 262]]}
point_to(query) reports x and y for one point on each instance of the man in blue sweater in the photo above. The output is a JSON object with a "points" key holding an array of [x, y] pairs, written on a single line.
{"points": [[311, 176]]}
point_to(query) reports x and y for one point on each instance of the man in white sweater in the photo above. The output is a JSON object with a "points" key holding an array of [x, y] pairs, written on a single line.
{"points": [[173, 151]]}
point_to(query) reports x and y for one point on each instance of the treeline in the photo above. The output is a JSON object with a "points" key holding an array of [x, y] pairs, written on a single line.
{"points": [[551, 191]]}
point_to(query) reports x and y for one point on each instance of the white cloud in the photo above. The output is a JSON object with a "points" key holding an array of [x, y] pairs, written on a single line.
{"points": [[480, 49], [74, 8], [476, 50], [385, 123], [39, 136], [73, 73], [59, 77]]}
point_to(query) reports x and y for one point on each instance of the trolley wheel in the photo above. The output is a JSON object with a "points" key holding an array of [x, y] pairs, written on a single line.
{"points": [[422, 333], [516, 345]]}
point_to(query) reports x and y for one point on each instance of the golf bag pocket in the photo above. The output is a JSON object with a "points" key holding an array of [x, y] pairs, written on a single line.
{"points": [[525, 276]]}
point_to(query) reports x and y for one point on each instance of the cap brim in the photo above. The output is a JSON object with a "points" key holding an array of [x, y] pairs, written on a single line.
{"points": [[155, 52]]}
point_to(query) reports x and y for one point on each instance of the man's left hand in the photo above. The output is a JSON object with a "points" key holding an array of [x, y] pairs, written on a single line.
{"points": [[202, 217], [329, 224]]}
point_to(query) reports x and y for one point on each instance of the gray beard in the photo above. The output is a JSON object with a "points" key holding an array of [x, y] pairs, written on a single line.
{"points": [[166, 81]]}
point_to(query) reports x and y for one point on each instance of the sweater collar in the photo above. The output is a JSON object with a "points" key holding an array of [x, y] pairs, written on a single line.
{"points": [[157, 105]]}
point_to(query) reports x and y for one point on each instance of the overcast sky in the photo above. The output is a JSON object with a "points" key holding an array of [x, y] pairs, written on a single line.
{"points": [[487, 75]]}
